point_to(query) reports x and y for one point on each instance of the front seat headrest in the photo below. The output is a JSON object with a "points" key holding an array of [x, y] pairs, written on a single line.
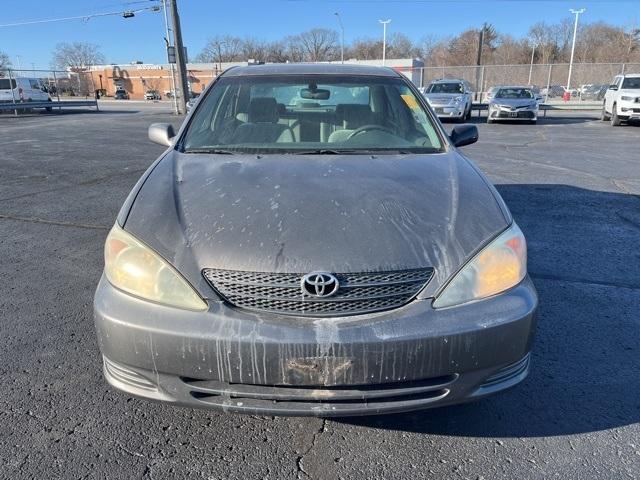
{"points": [[263, 110]]}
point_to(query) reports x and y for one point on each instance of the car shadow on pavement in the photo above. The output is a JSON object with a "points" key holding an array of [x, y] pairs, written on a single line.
{"points": [[56, 113], [584, 261]]}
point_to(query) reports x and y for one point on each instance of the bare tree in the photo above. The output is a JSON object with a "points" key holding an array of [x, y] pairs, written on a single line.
{"points": [[276, 52], [596, 42], [253, 49], [4, 61], [401, 46], [76, 56], [294, 49], [427, 45], [365, 49], [318, 44], [222, 48]]}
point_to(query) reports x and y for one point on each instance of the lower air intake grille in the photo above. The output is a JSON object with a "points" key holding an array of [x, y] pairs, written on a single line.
{"points": [[282, 293]]}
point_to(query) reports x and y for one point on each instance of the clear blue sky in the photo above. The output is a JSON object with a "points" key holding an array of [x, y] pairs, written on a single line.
{"points": [[140, 38]]}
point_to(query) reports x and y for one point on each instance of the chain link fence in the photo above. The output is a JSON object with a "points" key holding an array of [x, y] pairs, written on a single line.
{"points": [[549, 78]]}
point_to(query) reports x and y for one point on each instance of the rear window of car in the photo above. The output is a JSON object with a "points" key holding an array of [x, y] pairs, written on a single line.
{"points": [[4, 84]]}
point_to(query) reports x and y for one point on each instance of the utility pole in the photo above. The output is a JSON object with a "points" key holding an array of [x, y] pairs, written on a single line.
{"points": [[342, 38], [573, 44], [533, 52], [180, 60], [479, 59], [168, 43], [384, 39]]}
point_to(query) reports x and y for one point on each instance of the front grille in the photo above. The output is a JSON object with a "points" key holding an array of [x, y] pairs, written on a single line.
{"points": [[282, 293], [519, 114], [339, 399]]}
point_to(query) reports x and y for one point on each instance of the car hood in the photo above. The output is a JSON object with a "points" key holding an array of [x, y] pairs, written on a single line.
{"points": [[513, 102], [302, 213], [629, 91], [442, 97]]}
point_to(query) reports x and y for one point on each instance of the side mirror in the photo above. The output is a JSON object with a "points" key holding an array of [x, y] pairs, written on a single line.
{"points": [[161, 133], [464, 135], [613, 87]]}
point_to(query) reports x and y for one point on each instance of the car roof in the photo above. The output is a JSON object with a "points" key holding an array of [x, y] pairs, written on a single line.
{"points": [[528, 87], [448, 80], [631, 75], [310, 69]]}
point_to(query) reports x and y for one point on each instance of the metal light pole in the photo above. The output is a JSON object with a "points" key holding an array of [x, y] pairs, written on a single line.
{"points": [[180, 60], [384, 39], [168, 41], [342, 38], [573, 44], [533, 52]]}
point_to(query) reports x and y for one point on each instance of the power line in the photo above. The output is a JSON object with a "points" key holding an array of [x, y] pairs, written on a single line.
{"points": [[84, 18]]}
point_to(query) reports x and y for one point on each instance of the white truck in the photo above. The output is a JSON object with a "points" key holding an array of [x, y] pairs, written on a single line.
{"points": [[22, 89], [622, 99]]}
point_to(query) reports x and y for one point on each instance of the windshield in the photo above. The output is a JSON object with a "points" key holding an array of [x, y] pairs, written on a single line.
{"points": [[453, 87], [631, 83], [311, 114], [514, 93]]}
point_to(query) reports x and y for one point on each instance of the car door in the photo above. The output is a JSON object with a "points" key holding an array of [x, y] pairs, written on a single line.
{"points": [[35, 90]]}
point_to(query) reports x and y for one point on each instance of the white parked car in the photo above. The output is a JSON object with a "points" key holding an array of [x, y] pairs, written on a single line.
{"points": [[450, 98], [152, 95], [23, 89], [622, 99]]}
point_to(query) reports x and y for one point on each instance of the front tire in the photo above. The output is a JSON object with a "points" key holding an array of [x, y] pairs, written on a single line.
{"points": [[615, 120], [603, 115]]}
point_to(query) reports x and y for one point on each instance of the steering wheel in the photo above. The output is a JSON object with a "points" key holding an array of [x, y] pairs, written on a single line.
{"points": [[368, 128]]}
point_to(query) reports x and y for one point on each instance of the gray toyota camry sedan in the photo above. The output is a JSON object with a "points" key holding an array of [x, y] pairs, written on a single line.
{"points": [[312, 242]]}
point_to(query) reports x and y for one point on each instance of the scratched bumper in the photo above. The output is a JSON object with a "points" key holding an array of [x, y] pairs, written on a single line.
{"points": [[410, 358]]}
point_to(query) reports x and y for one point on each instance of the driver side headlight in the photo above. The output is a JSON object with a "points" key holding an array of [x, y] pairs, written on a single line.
{"points": [[132, 266], [497, 267]]}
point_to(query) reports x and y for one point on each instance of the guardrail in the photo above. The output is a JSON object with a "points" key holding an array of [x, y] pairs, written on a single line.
{"points": [[48, 105]]}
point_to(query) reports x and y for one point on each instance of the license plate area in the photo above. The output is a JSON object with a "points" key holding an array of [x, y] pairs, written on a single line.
{"points": [[513, 114]]}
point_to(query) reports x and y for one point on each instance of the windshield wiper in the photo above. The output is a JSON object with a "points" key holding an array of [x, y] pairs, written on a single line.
{"points": [[213, 151], [323, 151]]}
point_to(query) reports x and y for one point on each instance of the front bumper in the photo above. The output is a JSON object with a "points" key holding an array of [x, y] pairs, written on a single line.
{"points": [[629, 110], [526, 115], [410, 358], [447, 111]]}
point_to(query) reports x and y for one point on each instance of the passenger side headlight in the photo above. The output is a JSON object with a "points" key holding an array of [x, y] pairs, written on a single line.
{"points": [[132, 266], [499, 266]]}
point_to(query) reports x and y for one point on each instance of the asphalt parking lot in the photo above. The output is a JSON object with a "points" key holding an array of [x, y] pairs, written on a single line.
{"points": [[573, 185]]}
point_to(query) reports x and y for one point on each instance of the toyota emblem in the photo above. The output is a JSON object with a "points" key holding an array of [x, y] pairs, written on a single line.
{"points": [[319, 284]]}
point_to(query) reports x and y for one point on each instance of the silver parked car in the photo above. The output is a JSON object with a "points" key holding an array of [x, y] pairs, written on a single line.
{"points": [[513, 103], [450, 98], [312, 242]]}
